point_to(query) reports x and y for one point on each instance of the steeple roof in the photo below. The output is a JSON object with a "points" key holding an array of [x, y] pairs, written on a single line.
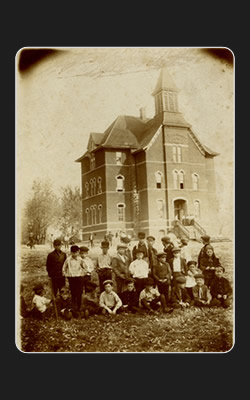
{"points": [[165, 82]]}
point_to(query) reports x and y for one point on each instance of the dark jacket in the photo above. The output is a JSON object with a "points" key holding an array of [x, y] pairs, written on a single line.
{"points": [[54, 263], [130, 298], [220, 286], [152, 257], [179, 294], [205, 262], [120, 268], [162, 271], [202, 253], [183, 265], [142, 247], [168, 251]]}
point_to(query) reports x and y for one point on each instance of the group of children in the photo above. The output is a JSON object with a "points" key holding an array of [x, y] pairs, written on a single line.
{"points": [[145, 280]]}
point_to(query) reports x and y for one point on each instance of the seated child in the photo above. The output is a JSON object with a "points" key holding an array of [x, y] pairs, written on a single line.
{"points": [[208, 263], [109, 301], [162, 275], [179, 295], [139, 270], [221, 290], [150, 298], [130, 298], [40, 303], [90, 300], [64, 304], [192, 270], [201, 294], [24, 311]]}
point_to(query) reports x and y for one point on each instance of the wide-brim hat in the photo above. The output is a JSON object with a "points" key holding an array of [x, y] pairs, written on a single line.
{"points": [[205, 237], [137, 251], [74, 248], [220, 266], [191, 262], [141, 235]]}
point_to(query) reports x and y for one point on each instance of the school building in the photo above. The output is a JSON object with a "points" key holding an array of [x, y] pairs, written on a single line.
{"points": [[147, 175]]}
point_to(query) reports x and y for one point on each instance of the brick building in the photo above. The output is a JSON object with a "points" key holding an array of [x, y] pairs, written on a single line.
{"points": [[148, 174]]}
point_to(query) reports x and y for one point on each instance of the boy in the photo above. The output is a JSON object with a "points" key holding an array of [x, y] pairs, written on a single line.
{"points": [[162, 275], [177, 264], [64, 304], [90, 300], [75, 269], [130, 298], [221, 290], [185, 250], [152, 254], [150, 298], [104, 268], [201, 294], [208, 263], [179, 294], [167, 247], [109, 301], [139, 270], [54, 265], [120, 264], [88, 264], [206, 241], [141, 246], [40, 303], [192, 270]]}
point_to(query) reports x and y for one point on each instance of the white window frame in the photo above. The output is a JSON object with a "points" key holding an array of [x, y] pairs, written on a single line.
{"points": [[195, 181], [121, 206], [99, 185], [175, 178], [100, 213], [158, 179], [120, 185]]}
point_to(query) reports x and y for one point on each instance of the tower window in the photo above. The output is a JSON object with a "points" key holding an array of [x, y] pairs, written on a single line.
{"points": [[91, 187], [158, 178], [87, 216], [181, 179], [92, 161], [195, 180], [121, 211], [179, 158], [100, 213], [87, 189], [99, 185], [160, 208], [175, 179], [174, 153], [118, 158], [94, 186], [120, 183]]}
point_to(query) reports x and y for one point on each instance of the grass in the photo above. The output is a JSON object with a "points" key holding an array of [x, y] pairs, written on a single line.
{"points": [[191, 330]]}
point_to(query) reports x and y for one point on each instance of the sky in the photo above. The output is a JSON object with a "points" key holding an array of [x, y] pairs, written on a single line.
{"points": [[63, 97]]}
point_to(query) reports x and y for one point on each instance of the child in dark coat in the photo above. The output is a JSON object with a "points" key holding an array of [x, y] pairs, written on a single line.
{"points": [[208, 263], [90, 301], [221, 290], [64, 304], [179, 295], [201, 294], [130, 298], [162, 275]]}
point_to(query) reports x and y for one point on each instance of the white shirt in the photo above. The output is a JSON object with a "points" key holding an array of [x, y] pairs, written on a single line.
{"points": [[40, 303], [89, 264], [74, 267], [185, 253], [104, 261], [177, 265], [139, 269], [150, 295]]}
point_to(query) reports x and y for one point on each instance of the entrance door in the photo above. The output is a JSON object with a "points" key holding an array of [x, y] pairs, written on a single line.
{"points": [[180, 209]]}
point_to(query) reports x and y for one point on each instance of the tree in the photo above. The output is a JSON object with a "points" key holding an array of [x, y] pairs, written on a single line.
{"points": [[71, 206], [41, 210]]}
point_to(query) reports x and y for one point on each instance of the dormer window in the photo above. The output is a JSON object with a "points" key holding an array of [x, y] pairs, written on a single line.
{"points": [[181, 179], [92, 161], [118, 158], [158, 179], [120, 183]]}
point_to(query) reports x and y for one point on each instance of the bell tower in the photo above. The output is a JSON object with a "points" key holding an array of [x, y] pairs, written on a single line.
{"points": [[165, 93]]}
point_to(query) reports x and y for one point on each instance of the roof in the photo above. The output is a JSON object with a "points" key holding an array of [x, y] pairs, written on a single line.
{"points": [[165, 82]]}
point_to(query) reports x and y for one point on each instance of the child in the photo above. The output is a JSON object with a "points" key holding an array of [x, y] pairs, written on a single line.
{"points": [[75, 269], [40, 303], [179, 294], [162, 275], [192, 270], [167, 247], [54, 264], [64, 304], [24, 312], [88, 263], [150, 298], [208, 263], [141, 246], [206, 241], [185, 250], [221, 290], [104, 268], [130, 298], [120, 264], [109, 301], [90, 300], [139, 270], [177, 264], [201, 294], [152, 254]]}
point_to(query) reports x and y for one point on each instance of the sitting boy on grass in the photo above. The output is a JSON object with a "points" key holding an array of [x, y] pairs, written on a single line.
{"points": [[221, 290], [130, 298], [40, 303], [64, 304], [201, 294], [179, 295], [90, 302], [150, 298], [109, 301]]}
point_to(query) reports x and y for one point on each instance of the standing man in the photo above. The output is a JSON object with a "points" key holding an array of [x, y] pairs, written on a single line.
{"points": [[206, 241], [54, 264], [141, 246], [167, 247]]}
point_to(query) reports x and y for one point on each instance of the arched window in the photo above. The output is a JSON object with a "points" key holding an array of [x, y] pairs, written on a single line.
{"points": [[174, 153], [179, 155], [94, 186], [120, 183], [121, 211], [160, 208], [87, 216], [197, 209], [92, 161], [100, 213], [94, 215], [175, 179], [99, 184], [158, 178], [181, 179], [87, 189], [91, 187], [195, 179]]}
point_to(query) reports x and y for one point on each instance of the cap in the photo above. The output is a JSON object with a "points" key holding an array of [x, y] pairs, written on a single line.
{"points": [[108, 281], [84, 249], [150, 237], [220, 266], [181, 279], [149, 282], [161, 254], [74, 249], [165, 239], [199, 276], [137, 251], [191, 262], [130, 280], [174, 249], [141, 235], [57, 242], [37, 287], [205, 237], [121, 246], [184, 241], [125, 239], [104, 244]]}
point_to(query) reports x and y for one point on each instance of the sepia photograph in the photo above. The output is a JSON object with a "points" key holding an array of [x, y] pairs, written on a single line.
{"points": [[125, 200]]}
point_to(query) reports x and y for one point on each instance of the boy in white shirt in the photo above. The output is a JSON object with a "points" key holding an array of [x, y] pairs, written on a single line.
{"points": [[109, 301], [139, 270], [39, 302], [89, 265], [150, 298]]}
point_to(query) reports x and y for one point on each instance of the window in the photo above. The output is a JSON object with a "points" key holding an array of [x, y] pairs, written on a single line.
{"points": [[92, 161], [94, 186], [99, 184], [195, 179], [197, 210], [181, 179], [174, 154], [87, 189], [175, 179], [91, 187], [118, 158], [120, 183], [100, 213], [94, 215], [121, 211], [87, 216], [160, 208], [158, 178], [178, 154]]}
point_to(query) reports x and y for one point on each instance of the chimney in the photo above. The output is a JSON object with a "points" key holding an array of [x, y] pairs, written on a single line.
{"points": [[143, 114]]}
